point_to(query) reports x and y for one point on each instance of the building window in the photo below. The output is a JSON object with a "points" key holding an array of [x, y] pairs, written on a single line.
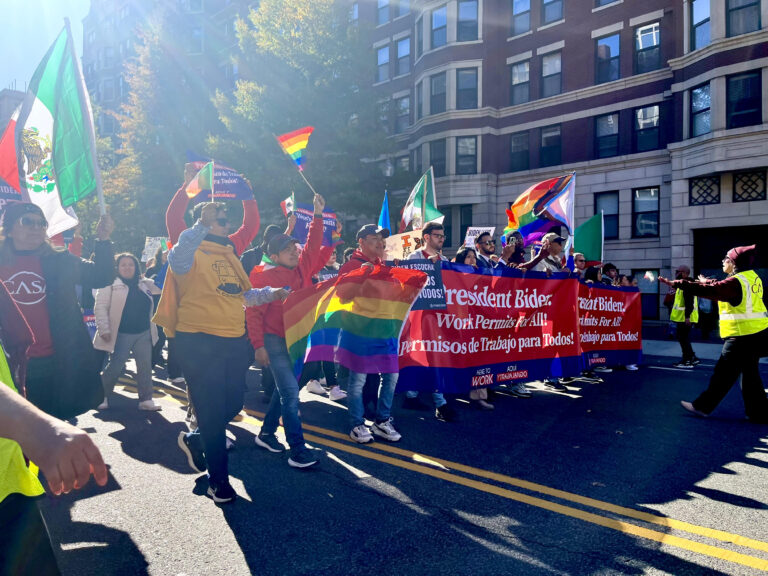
{"points": [[646, 128], [648, 283], [520, 89], [607, 135], [107, 90], [466, 89], [448, 226], [403, 56], [403, 111], [551, 75], [551, 11], [743, 95], [645, 213], [749, 186], [402, 165], [107, 125], [607, 65], [465, 220], [467, 25], [466, 155], [195, 41], [700, 111], [439, 35], [699, 24], [519, 158], [354, 13], [599, 3], [382, 13], [419, 100], [521, 17], [382, 59], [419, 37], [550, 152], [437, 157], [705, 190], [417, 161], [647, 48], [743, 16], [384, 111], [437, 93], [608, 204], [403, 7]]}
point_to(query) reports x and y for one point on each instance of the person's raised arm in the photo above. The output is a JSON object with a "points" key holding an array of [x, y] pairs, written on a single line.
{"points": [[244, 235], [182, 256], [101, 271], [311, 254], [543, 253], [174, 215]]}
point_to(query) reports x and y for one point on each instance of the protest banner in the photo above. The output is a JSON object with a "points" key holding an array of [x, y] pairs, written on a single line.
{"points": [[497, 327], [8, 194], [228, 184], [474, 231], [432, 296], [151, 244], [304, 214], [89, 318], [610, 324], [400, 246]]}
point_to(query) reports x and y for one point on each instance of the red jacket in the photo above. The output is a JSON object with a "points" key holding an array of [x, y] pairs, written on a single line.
{"points": [[268, 318], [174, 221], [355, 261]]}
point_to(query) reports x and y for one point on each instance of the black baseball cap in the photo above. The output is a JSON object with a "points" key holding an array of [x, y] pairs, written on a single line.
{"points": [[370, 230], [280, 242]]}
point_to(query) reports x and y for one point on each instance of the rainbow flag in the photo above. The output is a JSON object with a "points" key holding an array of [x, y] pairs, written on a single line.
{"points": [[355, 319], [295, 142], [542, 207]]}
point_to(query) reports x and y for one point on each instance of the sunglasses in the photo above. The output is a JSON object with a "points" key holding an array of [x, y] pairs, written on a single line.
{"points": [[32, 222], [581, 260], [489, 242], [222, 221], [438, 236]]}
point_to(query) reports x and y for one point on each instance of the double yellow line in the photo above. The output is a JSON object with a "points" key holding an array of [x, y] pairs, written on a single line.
{"points": [[442, 469]]}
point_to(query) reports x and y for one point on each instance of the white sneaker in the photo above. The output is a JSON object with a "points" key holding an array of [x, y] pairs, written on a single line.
{"points": [[323, 381], [315, 387], [336, 394], [179, 380], [104, 405], [361, 434], [230, 444], [602, 369], [632, 367], [150, 406], [386, 430]]}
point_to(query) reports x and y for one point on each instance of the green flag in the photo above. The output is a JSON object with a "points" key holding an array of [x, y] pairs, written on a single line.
{"points": [[588, 239], [421, 206]]}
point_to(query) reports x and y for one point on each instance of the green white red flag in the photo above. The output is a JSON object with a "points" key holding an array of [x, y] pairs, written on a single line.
{"points": [[54, 138], [421, 206], [203, 180]]}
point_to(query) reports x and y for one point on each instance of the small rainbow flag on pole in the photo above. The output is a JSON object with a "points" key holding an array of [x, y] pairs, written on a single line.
{"points": [[354, 320], [294, 144]]}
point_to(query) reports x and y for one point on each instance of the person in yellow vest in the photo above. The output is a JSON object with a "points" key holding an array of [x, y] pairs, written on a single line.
{"points": [[685, 313], [743, 326]]}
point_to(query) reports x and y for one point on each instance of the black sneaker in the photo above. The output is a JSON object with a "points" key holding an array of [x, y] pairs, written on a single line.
{"points": [[684, 365], [694, 362], [269, 442], [446, 413], [303, 459], [190, 444], [222, 493]]}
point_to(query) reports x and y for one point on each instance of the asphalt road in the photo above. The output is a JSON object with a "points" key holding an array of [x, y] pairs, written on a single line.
{"points": [[611, 478]]}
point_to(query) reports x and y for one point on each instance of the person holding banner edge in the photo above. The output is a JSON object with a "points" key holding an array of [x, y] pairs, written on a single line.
{"points": [[743, 326], [685, 313]]}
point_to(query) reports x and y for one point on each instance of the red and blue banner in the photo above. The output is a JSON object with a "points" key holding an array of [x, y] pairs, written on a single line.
{"points": [[304, 214], [228, 183]]}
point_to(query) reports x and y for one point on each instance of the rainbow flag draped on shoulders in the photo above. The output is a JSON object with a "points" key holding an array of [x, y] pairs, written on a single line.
{"points": [[543, 206], [354, 320]]}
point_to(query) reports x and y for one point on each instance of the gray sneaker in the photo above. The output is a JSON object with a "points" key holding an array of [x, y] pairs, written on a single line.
{"points": [[520, 390], [269, 442], [386, 430], [303, 459]]}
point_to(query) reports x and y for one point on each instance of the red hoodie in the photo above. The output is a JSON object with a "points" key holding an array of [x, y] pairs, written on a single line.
{"points": [[174, 221], [268, 318], [355, 261]]}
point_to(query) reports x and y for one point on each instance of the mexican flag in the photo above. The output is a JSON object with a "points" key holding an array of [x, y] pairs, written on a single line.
{"points": [[421, 206], [54, 138], [203, 180], [288, 205], [588, 239]]}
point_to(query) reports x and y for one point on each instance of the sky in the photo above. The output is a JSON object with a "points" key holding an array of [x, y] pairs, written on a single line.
{"points": [[29, 29]]}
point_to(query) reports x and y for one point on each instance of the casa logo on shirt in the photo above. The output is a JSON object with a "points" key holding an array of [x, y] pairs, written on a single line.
{"points": [[26, 288], [229, 281]]}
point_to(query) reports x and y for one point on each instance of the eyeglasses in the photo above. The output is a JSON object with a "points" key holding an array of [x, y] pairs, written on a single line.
{"points": [[581, 260], [222, 221], [489, 242], [32, 222], [438, 236]]}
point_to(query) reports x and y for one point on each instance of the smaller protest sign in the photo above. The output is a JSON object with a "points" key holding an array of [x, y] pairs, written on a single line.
{"points": [[432, 296], [151, 244], [228, 184], [400, 246], [474, 231], [304, 215]]}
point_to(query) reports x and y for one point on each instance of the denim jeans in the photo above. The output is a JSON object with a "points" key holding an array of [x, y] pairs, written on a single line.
{"points": [[355, 397], [215, 368], [437, 397], [141, 346], [286, 402]]}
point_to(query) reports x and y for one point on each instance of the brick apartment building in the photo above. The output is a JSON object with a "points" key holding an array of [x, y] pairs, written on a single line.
{"points": [[659, 107]]}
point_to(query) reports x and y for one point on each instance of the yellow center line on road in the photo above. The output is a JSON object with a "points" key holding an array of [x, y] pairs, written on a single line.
{"points": [[624, 527]]}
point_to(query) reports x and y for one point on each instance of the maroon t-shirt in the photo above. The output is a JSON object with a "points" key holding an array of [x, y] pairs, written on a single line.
{"points": [[26, 285]]}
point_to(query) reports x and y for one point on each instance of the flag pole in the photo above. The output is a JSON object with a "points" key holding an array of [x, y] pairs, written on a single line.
{"points": [[213, 181], [83, 92], [301, 171]]}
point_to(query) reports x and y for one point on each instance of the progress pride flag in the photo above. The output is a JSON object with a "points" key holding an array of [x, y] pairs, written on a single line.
{"points": [[497, 327], [610, 322]]}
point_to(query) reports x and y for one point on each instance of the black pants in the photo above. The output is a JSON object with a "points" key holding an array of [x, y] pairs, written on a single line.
{"points": [[25, 547], [740, 356], [684, 337], [173, 366]]}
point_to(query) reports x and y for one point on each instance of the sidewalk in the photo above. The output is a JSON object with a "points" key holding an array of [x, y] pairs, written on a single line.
{"points": [[704, 351]]}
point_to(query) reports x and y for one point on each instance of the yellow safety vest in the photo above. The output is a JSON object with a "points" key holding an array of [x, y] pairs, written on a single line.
{"points": [[750, 316], [15, 475], [678, 308]]}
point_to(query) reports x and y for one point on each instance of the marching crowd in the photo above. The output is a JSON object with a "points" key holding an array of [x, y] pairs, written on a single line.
{"points": [[216, 298]]}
